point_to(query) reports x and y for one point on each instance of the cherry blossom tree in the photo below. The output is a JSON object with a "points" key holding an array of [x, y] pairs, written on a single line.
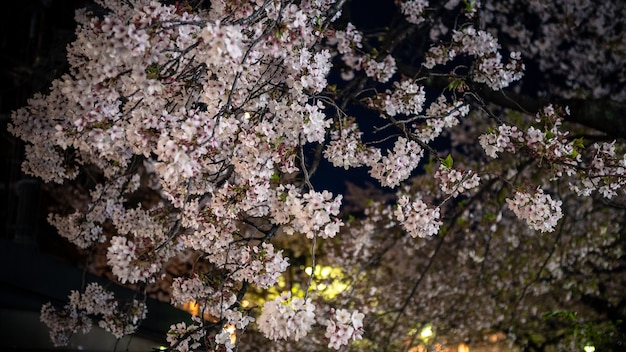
{"points": [[493, 144]]}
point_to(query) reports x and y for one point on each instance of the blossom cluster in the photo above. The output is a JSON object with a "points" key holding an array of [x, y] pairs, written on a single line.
{"points": [[489, 68], [407, 98], [214, 297], [189, 289], [440, 115], [414, 10], [381, 71], [217, 302], [185, 338], [397, 166], [83, 228], [235, 321], [309, 213], [552, 142], [607, 172], [539, 210], [286, 317], [597, 168], [132, 253], [455, 182], [417, 218], [343, 327], [348, 44], [261, 265], [504, 139], [94, 301], [346, 149], [347, 40], [63, 324]]}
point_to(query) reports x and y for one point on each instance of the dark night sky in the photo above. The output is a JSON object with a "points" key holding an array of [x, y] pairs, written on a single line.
{"points": [[34, 35]]}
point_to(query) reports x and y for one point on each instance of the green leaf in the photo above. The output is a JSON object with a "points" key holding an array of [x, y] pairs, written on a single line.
{"points": [[469, 4], [457, 84], [447, 162], [578, 142], [152, 71]]}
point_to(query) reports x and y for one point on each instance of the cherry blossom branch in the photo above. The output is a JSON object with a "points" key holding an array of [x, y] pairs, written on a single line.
{"points": [[313, 265], [602, 114], [543, 265], [413, 291], [305, 171]]}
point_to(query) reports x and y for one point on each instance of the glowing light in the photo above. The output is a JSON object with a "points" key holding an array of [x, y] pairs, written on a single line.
{"points": [[589, 348], [332, 278], [498, 336], [420, 348], [245, 303], [246, 115], [191, 307], [326, 271], [323, 272], [463, 348], [161, 348], [427, 332], [233, 332]]}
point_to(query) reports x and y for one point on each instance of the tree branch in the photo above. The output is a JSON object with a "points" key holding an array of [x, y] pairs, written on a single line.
{"points": [[603, 115]]}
